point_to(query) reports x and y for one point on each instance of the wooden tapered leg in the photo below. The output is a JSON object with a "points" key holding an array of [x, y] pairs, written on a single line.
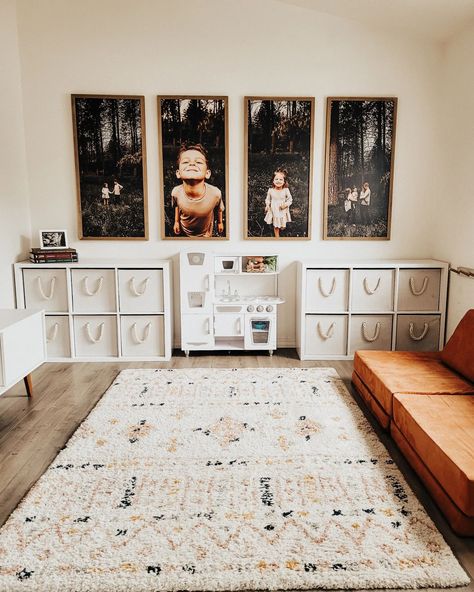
{"points": [[28, 385]]}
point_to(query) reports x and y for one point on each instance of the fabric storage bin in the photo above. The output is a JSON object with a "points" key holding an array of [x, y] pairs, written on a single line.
{"points": [[58, 336], [327, 290], [371, 332], [95, 336], [140, 290], [93, 290], [418, 332], [142, 335], [45, 289], [326, 335], [418, 289], [372, 290]]}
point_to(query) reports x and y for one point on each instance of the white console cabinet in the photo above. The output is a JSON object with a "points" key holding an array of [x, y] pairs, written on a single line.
{"points": [[224, 306], [384, 305], [98, 310]]}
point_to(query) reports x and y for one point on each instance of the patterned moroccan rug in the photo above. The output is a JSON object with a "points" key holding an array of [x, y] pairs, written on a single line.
{"points": [[208, 479]]}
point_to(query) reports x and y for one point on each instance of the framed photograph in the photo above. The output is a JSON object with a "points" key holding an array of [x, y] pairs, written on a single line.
{"points": [[193, 142], [53, 239], [278, 167], [110, 151], [360, 141]]}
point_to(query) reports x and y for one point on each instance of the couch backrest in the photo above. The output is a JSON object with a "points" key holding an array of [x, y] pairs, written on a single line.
{"points": [[458, 353]]}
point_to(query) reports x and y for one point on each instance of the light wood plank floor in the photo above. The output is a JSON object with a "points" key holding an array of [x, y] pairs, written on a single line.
{"points": [[32, 431]]}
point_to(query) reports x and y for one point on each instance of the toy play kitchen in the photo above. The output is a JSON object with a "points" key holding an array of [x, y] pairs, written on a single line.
{"points": [[228, 302]]}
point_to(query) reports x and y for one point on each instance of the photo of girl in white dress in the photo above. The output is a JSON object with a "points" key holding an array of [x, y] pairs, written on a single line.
{"points": [[278, 202]]}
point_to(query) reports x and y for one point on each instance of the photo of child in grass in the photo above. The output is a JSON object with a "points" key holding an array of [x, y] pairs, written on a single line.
{"points": [[110, 166], [193, 146], [360, 141], [279, 161]]}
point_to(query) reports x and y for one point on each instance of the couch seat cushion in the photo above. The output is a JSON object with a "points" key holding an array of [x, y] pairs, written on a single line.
{"points": [[385, 373], [440, 429], [458, 353]]}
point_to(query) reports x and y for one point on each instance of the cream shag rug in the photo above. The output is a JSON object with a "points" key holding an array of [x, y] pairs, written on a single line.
{"points": [[208, 479]]}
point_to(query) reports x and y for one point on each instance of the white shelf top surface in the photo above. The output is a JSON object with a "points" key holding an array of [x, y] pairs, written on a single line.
{"points": [[378, 263], [121, 263], [9, 317]]}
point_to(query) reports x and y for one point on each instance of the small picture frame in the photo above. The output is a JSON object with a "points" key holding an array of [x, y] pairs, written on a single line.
{"points": [[53, 239]]}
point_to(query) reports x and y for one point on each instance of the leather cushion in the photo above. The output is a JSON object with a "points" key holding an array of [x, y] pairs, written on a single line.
{"points": [[440, 429], [385, 373], [458, 353]]}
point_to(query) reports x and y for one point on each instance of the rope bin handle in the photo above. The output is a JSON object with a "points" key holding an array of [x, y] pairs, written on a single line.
{"points": [[322, 290], [100, 283], [329, 333], [99, 335], [146, 333], [133, 288], [53, 334], [411, 331], [369, 290], [52, 284], [376, 334], [413, 289]]}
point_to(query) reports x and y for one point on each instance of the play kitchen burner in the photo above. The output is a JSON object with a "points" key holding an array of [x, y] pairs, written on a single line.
{"points": [[228, 302]]}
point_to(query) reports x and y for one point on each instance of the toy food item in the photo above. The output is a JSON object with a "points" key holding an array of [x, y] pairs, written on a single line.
{"points": [[255, 265]]}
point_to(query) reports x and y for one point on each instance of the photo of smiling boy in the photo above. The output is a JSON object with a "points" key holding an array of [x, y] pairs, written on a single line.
{"points": [[196, 202]]}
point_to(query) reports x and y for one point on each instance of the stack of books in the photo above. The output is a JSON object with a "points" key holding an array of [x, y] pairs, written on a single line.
{"points": [[62, 255]]}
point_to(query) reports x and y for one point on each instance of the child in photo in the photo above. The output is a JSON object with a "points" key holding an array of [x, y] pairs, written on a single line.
{"points": [[106, 193], [278, 202], [116, 191], [195, 201]]}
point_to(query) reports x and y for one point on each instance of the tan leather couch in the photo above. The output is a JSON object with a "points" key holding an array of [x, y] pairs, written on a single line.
{"points": [[426, 400]]}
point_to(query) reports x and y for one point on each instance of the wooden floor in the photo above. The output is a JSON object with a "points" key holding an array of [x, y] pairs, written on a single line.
{"points": [[32, 431]]}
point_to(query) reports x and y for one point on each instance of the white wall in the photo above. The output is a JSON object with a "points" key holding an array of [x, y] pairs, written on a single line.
{"points": [[453, 236], [15, 228], [240, 48]]}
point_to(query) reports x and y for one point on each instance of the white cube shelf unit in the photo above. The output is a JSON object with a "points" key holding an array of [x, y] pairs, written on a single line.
{"points": [[385, 305], [101, 310]]}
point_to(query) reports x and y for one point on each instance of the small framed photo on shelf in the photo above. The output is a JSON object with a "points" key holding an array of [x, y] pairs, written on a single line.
{"points": [[53, 239]]}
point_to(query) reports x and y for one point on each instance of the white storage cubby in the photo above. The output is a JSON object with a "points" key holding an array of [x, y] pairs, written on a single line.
{"points": [[228, 302], [346, 306], [98, 310]]}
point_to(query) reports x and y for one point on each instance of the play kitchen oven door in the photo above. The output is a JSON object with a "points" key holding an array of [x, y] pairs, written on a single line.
{"points": [[260, 331]]}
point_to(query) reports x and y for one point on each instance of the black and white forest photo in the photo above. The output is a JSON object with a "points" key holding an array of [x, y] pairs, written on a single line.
{"points": [[360, 139], [109, 133], [278, 150]]}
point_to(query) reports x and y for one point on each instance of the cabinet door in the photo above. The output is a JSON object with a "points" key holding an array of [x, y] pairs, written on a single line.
{"points": [[196, 331], [196, 278], [372, 290], [326, 335], [57, 336], [228, 325], [93, 290], [95, 336], [418, 289], [371, 332], [45, 289], [418, 332], [142, 335], [140, 290], [326, 290]]}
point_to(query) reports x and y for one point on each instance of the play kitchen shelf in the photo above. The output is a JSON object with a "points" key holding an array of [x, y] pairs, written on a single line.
{"points": [[228, 302]]}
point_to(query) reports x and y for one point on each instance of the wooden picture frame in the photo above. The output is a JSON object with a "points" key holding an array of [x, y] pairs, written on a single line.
{"points": [[197, 208], [279, 140], [110, 155], [359, 162]]}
